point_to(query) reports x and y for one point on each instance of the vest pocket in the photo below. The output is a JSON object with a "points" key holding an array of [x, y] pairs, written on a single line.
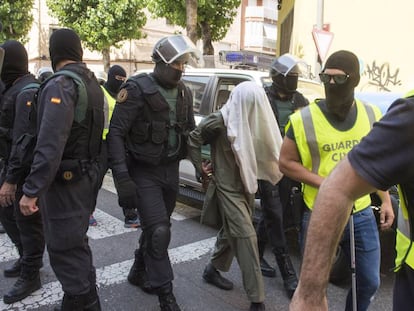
{"points": [[140, 132], [159, 133]]}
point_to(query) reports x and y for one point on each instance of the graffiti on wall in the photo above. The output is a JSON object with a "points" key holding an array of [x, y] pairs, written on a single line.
{"points": [[381, 76]]}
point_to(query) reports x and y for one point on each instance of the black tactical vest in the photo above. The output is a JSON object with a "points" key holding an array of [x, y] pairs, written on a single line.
{"points": [[7, 114], [297, 100], [148, 139], [85, 138]]}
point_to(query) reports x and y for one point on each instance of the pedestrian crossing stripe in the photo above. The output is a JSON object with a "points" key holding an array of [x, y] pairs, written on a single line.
{"points": [[7, 250], [107, 226], [51, 293]]}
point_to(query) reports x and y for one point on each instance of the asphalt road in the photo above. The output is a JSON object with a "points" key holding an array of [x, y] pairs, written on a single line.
{"points": [[190, 248]]}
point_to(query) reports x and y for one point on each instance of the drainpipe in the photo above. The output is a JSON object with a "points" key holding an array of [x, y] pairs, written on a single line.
{"points": [[319, 26]]}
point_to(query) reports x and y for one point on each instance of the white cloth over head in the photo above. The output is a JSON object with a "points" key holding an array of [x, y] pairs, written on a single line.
{"points": [[254, 134]]}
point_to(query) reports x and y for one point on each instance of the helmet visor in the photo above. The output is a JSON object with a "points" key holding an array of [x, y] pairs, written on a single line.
{"points": [[179, 48], [287, 64]]}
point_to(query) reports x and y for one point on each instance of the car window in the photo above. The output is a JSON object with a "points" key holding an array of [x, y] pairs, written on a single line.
{"points": [[266, 81], [224, 88], [197, 85]]}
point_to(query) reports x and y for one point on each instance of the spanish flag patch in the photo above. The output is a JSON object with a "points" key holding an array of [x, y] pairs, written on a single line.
{"points": [[55, 100]]}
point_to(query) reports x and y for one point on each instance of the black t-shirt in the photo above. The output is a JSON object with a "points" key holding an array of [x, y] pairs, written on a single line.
{"points": [[385, 157]]}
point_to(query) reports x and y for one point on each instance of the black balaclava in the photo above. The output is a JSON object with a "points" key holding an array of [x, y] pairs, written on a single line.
{"points": [[64, 44], [166, 75], [340, 97], [112, 85], [286, 85], [15, 63]]}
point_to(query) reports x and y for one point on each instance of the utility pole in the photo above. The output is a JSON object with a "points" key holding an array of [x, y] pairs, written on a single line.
{"points": [[319, 26]]}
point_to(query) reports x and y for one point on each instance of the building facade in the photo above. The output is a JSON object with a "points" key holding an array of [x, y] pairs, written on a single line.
{"points": [[374, 30], [254, 29]]}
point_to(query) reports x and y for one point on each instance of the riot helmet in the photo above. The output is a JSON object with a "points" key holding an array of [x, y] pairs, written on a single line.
{"points": [[43, 73], [284, 72], [101, 76], [177, 48]]}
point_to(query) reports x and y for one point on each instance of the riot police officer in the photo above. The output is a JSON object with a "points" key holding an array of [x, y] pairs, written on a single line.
{"points": [[64, 172], [146, 140], [28, 230], [275, 199], [43, 73]]}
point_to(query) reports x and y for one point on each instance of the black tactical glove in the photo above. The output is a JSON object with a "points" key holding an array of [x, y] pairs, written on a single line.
{"points": [[127, 191]]}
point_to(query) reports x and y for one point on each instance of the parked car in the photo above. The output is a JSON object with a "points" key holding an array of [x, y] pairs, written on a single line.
{"points": [[211, 89], [381, 99]]}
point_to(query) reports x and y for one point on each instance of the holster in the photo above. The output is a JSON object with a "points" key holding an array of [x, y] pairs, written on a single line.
{"points": [[297, 206]]}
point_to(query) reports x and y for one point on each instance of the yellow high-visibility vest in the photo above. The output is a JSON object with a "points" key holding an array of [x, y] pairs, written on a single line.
{"points": [[403, 242], [321, 146], [109, 106]]}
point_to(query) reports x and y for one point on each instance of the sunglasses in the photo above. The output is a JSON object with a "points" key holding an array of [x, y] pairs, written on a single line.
{"points": [[338, 79], [120, 78]]}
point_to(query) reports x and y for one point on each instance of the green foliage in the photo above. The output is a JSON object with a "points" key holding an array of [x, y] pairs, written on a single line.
{"points": [[219, 14], [17, 19], [101, 23]]}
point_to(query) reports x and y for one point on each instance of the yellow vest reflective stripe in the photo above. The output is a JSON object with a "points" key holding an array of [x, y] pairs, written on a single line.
{"points": [[321, 146], [109, 105], [409, 94], [403, 245]]}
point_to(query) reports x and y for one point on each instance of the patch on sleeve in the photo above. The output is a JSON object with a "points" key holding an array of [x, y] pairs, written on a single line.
{"points": [[55, 100], [122, 96]]}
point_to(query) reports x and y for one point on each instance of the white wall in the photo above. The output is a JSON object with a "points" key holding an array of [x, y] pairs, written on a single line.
{"points": [[378, 32]]}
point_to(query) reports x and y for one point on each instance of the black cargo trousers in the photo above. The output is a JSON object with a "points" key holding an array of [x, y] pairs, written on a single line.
{"points": [[8, 218], [157, 188], [65, 210], [278, 212], [31, 236]]}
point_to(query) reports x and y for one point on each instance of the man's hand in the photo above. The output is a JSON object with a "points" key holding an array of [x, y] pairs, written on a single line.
{"points": [[127, 191], [386, 212], [7, 194], [386, 215], [206, 173], [28, 205]]}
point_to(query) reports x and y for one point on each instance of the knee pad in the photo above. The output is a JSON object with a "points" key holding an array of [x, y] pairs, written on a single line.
{"points": [[159, 240]]}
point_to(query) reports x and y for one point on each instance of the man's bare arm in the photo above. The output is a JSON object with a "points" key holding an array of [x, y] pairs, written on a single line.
{"points": [[290, 164], [329, 217]]}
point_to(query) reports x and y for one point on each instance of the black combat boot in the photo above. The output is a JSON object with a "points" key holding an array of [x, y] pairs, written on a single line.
{"points": [[14, 270], [266, 269], [138, 276], [212, 276], [27, 283], [290, 280], [85, 302], [257, 306], [167, 299], [91, 301], [72, 303]]}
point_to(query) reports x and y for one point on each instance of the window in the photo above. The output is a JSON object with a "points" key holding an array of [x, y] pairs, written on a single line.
{"points": [[197, 85]]}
